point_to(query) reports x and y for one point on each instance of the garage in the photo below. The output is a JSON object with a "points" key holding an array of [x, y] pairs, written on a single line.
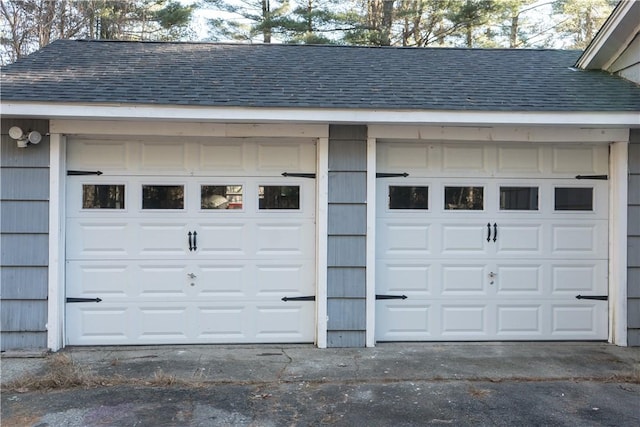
{"points": [[189, 240], [491, 241]]}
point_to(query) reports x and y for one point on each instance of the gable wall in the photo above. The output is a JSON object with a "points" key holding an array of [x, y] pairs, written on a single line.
{"points": [[633, 254], [24, 223], [627, 64], [346, 241]]}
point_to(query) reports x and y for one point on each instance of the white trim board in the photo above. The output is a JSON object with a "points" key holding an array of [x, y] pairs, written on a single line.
{"points": [[322, 225], [316, 115], [618, 197], [499, 134], [56, 286], [371, 243], [149, 128]]}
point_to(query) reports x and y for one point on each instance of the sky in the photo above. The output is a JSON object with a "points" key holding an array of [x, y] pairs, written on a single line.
{"points": [[537, 12]]}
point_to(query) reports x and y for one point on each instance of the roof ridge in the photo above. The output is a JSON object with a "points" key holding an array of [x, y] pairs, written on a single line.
{"points": [[298, 45]]}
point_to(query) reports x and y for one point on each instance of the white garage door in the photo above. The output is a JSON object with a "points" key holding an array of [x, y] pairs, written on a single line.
{"points": [[492, 242], [189, 242]]}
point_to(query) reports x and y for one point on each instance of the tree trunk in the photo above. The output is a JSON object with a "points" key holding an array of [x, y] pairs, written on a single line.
{"points": [[47, 15], [266, 19], [589, 24], [513, 37], [387, 19], [19, 34], [310, 17]]}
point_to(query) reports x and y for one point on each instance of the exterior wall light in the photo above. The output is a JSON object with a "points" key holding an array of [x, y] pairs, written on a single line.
{"points": [[23, 139]]}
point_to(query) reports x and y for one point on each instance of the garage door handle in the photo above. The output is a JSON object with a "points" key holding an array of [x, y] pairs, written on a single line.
{"points": [[495, 231], [193, 244], [488, 232]]}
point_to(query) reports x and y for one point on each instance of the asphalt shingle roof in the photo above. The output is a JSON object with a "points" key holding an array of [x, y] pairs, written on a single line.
{"points": [[233, 75]]}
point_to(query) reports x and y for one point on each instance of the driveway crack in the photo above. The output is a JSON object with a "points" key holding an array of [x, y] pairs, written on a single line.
{"points": [[286, 365]]}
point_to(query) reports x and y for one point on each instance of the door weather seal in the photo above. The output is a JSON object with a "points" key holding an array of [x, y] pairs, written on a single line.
{"points": [[298, 175], [600, 177], [84, 173], [391, 297], [309, 298], [391, 175], [596, 297], [84, 300]]}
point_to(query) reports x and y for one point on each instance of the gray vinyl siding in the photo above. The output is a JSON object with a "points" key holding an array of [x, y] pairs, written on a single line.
{"points": [[633, 255], [347, 228], [24, 225]]}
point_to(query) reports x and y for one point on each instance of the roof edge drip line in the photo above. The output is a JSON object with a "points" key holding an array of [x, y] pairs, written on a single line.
{"points": [[320, 116]]}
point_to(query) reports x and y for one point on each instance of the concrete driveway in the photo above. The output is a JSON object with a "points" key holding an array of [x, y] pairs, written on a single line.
{"points": [[391, 384]]}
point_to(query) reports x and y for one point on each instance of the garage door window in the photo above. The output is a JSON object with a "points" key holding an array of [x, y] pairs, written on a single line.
{"points": [[221, 197], [406, 197], [519, 198], [279, 197], [163, 197], [573, 199], [102, 196], [464, 198]]}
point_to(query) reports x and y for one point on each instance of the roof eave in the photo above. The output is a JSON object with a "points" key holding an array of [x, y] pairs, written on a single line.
{"points": [[615, 35], [590, 119]]}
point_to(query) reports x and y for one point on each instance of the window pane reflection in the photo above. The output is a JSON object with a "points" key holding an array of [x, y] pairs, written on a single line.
{"points": [[401, 197], [573, 199], [102, 196], [162, 197], [464, 198], [519, 198], [279, 197], [221, 197]]}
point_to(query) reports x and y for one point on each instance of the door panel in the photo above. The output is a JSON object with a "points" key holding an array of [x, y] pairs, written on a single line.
{"points": [[519, 320], [518, 239], [463, 239], [223, 238], [519, 279]]}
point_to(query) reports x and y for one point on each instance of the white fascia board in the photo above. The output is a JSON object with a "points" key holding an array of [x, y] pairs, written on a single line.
{"points": [[311, 115], [614, 36]]}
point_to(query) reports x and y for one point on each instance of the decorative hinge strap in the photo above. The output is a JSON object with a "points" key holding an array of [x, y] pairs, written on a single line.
{"points": [[391, 175], [391, 297], [308, 298], [84, 299], [600, 177], [298, 175], [596, 297], [84, 172]]}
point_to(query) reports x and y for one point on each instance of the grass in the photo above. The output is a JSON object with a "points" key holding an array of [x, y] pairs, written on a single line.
{"points": [[62, 372]]}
